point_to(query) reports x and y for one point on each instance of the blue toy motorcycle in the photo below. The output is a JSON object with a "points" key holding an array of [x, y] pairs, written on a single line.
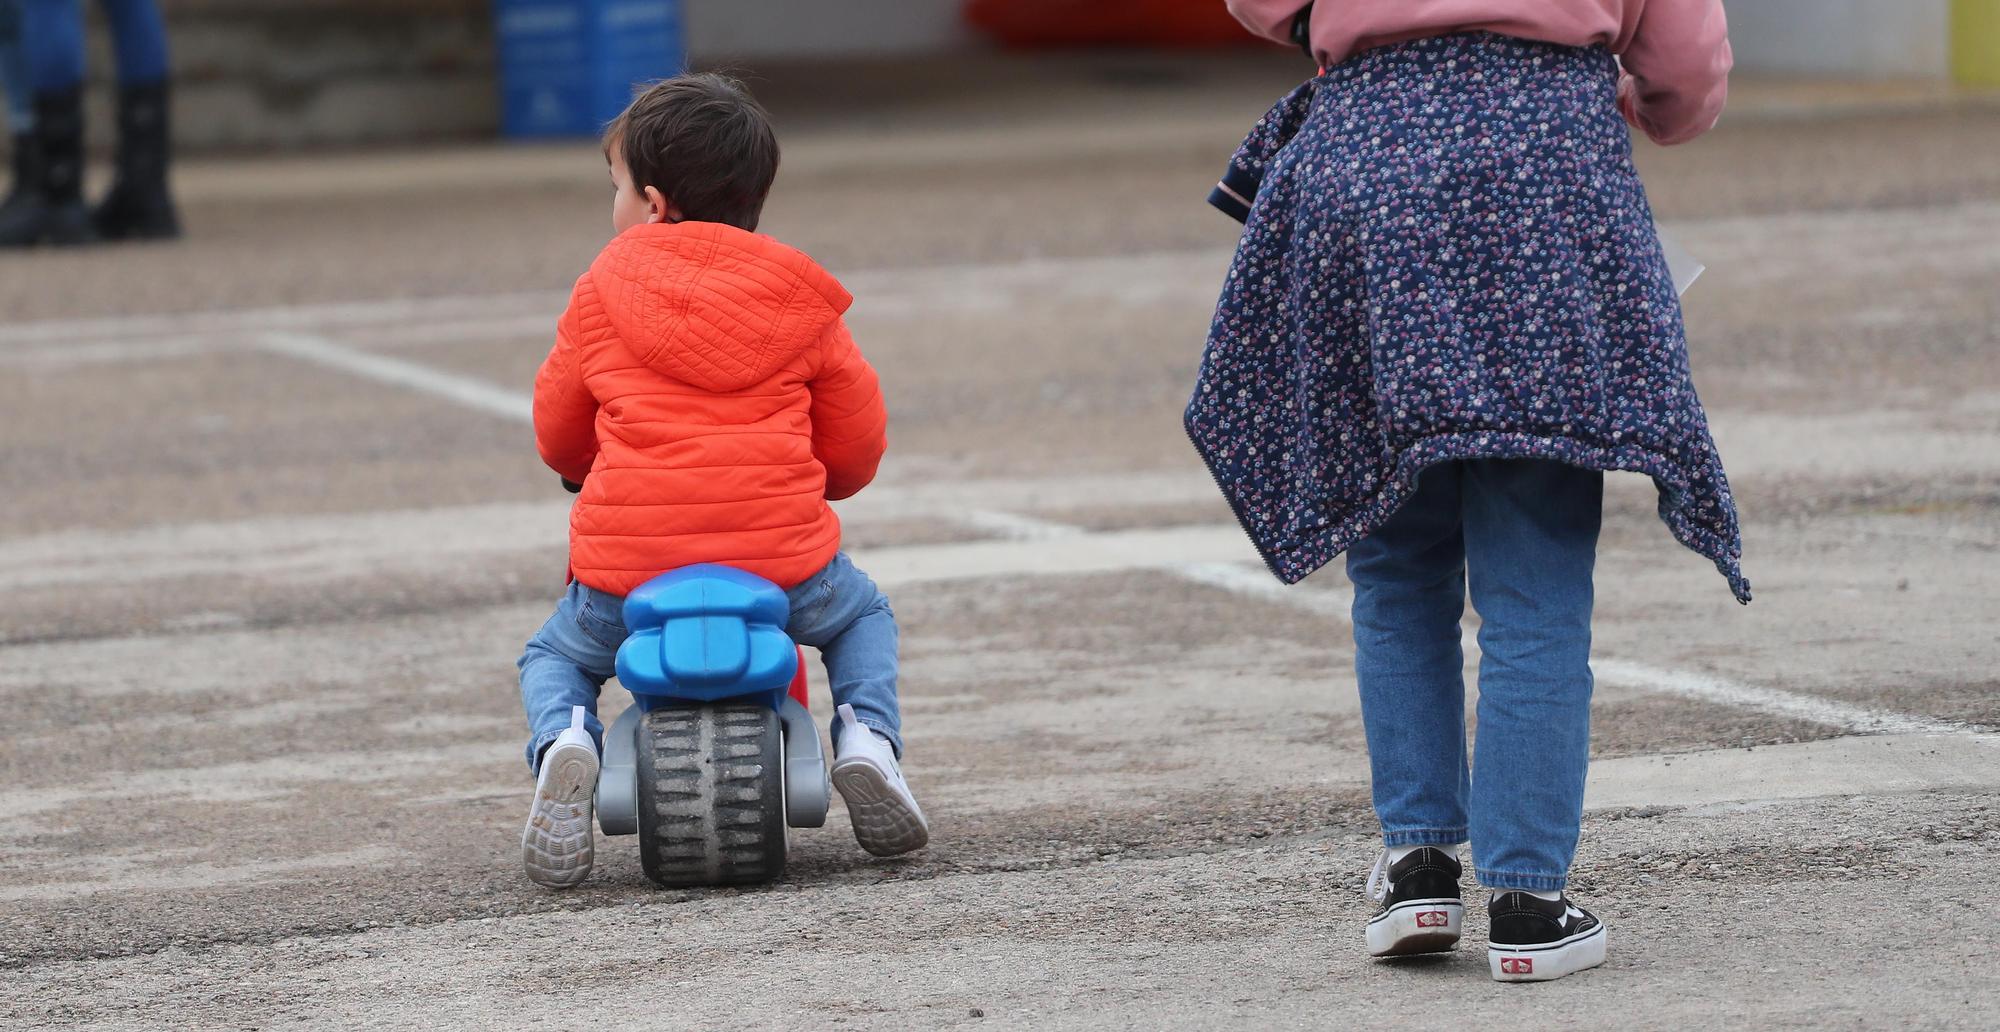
{"points": [[718, 757]]}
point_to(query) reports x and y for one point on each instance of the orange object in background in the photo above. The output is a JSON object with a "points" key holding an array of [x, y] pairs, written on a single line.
{"points": [[1089, 23]]}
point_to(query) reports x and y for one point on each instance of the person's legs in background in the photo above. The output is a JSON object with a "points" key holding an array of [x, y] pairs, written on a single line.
{"points": [[139, 206], [14, 68], [23, 147], [53, 32], [48, 203], [139, 37]]}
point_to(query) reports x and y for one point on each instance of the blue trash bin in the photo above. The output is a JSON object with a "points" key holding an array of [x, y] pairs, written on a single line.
{"points": [[567, 67]]}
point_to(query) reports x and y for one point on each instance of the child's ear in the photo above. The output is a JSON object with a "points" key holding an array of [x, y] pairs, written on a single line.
{"points": [[658, 208]]}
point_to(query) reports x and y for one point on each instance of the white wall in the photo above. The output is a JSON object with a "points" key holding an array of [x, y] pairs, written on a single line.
{"points": [[1886, 38], [821, 28]]}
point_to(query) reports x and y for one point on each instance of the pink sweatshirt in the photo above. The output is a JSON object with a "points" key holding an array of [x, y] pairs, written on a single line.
{"points": [[1675, 52]]}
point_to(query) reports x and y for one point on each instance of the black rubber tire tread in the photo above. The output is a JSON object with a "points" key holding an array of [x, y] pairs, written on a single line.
{"points": [[712, 795]]}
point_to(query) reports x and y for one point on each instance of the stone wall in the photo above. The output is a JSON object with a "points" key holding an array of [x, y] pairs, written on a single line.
{"points": [[284, 73]]}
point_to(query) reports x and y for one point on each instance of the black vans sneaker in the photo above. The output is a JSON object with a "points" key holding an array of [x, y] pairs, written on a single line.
{"points": [[1535, 939], [1421, 908]]}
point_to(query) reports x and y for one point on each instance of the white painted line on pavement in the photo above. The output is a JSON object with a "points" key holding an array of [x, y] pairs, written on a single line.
{"points": [[1131, 278], [1082, 553], [1773, 701], [397, 311], [901, 492], [1203, 555], [1875, 765], [465, 390], [1256, 583], [310, 549], [116, 352], [290, 549], [1141, 278], [1015, 527]]}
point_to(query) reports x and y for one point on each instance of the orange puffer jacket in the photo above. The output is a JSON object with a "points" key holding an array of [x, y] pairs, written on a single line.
{"points": [[706, 394]]}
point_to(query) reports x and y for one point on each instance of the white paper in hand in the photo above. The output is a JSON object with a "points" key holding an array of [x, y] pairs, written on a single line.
{"points": [[1685, 268]]}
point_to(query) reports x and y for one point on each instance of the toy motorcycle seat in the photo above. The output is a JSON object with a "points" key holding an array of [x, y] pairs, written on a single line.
{"points": [[706, 633]]}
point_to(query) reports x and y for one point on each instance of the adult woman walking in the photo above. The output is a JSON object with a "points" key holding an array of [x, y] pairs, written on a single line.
{"points": [[46, 205]]}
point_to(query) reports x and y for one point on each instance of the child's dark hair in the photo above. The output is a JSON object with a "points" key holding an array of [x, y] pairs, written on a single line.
{"points": [[702, 141]]}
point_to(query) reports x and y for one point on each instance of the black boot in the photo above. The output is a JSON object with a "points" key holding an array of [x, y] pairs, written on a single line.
{"points": [[48, 204], [139, 206], [27, 152]]}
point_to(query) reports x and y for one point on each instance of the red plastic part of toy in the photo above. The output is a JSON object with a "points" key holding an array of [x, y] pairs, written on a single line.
{"points": [[799, 680]]}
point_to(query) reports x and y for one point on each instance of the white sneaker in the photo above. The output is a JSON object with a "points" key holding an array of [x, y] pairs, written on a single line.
{"points": [[557, 845], [886, 819]]}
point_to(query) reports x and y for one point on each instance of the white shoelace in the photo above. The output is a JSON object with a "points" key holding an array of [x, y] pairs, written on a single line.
{"points": [[1378, 879]]}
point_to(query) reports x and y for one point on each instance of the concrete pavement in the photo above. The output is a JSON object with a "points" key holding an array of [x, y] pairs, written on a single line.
{"points": [[274, 534]]}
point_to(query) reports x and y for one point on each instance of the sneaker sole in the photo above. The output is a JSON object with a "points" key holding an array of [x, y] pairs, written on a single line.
{"points": [[1416, 926], [884, 824], [1546, 963], [557, 846]]}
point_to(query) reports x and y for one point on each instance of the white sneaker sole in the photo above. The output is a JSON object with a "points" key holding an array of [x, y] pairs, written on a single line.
{"points": [[1416, 926], [1546, 963], [557, 846], [886, 820]]}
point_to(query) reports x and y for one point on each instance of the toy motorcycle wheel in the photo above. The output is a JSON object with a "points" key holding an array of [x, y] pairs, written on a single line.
{"points": [[711, 795]]}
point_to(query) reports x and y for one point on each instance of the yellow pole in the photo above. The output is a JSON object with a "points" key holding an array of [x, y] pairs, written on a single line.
{"points": [[1975, 42]]}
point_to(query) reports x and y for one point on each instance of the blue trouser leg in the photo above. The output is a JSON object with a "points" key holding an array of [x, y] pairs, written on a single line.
{"points": [[1409, 594], [566, 664], [840, 612], [1531, 532], [53, 30], [14, 75], [139, 36], [54, 33], [42, 48]]}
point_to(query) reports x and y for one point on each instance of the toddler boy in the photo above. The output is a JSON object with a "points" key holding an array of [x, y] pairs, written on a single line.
{"points": [[705, 393]]}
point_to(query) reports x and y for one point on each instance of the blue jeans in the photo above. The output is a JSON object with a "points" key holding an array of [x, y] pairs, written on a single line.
{"points": [[838, 611], [14, 67], [1522, 534], [53, 30]]}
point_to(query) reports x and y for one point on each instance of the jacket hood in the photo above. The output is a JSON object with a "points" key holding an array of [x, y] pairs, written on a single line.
{"points": [[713, 305]]}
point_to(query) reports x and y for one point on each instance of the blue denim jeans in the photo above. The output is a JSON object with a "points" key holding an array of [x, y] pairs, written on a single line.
{"points": [[53, 30], [1522, 535], [14, 68], [838, 611]]}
